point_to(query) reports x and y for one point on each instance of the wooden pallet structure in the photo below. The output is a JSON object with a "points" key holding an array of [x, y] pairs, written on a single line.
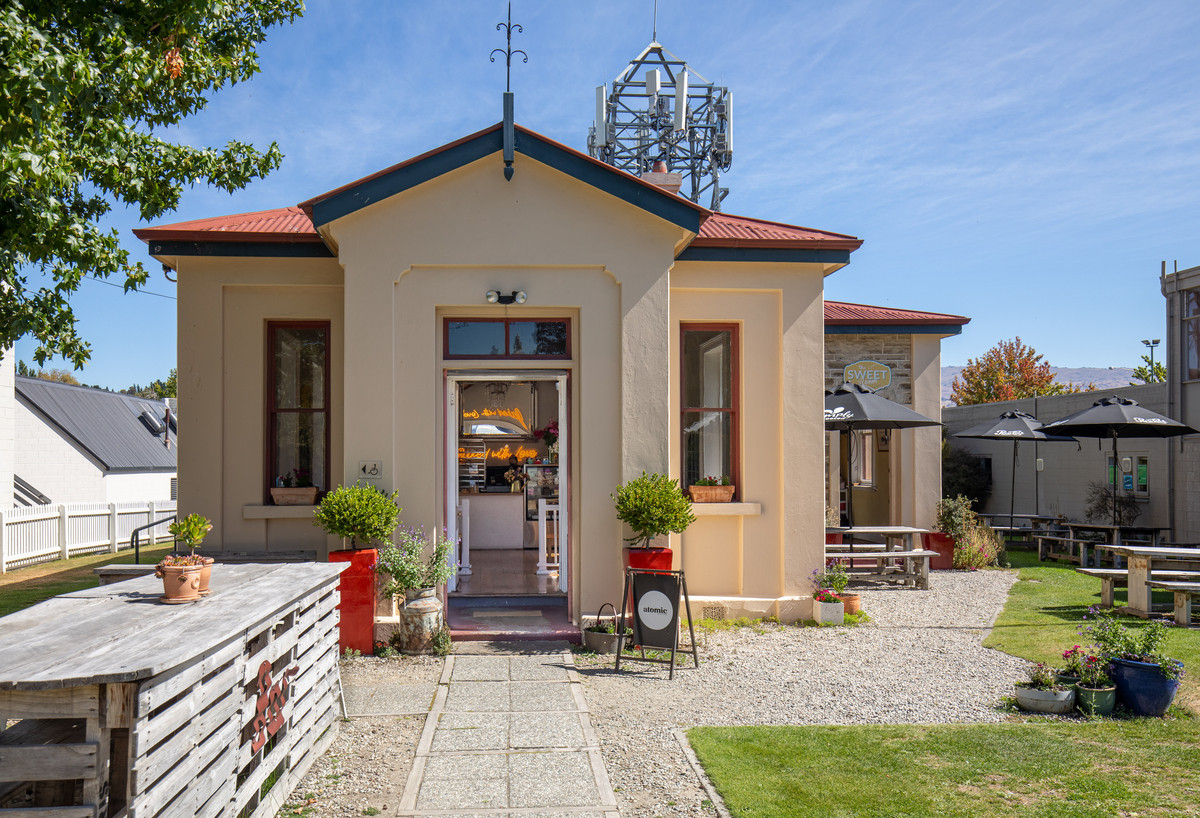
{"points": [[128, 708]]}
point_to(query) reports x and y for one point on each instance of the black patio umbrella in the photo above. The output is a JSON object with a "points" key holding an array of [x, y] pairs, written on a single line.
{"points": [[852, 407], [1014, 426], [1117, 417]]}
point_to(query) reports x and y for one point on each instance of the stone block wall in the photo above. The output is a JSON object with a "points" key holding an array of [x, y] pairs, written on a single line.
{"points": [[894, 351]]}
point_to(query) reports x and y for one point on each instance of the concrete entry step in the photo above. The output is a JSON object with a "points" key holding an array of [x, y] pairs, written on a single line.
{"points": [[510, 618]]}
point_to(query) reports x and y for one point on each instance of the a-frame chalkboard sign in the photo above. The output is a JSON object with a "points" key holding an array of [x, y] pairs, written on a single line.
{"points": [[651, 603]]}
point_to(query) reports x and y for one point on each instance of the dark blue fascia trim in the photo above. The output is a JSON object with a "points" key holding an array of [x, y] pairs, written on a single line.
{"points": [[245, 249], [894, 329], [668, 207], [768, 254], [405, 177]]}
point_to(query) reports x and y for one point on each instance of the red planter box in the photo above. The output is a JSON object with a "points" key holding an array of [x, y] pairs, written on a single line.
{"points": [[356, 628], [649, 559], [943, 544]]}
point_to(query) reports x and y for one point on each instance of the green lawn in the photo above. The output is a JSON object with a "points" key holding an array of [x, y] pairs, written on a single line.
{"points": [[28, 586], [1145, 767], [1048, 602]]}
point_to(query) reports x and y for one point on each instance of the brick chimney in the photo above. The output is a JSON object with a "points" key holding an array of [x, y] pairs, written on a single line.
{"points": [[659, 175]]}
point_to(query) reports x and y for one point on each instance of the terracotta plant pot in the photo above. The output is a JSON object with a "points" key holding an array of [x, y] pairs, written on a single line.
{"points": [[649, 559], [206, 575], [296, 496], [943, 544], [1095, 701], [829, 613], [1046, 701], [711, 494], [851, 602], [181, 583]]}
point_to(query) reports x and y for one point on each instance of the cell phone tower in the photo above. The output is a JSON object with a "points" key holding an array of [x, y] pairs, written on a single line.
{"points": [[663, 116]]}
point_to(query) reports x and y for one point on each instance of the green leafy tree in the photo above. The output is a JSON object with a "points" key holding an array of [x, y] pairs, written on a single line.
{"points": [[1008, 371], [1149, 374], [85, 87]]}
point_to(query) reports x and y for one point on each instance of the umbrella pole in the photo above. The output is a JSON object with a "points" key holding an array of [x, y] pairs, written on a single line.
{"points": [[1012, 493], [1116, 468], [850, 480]]}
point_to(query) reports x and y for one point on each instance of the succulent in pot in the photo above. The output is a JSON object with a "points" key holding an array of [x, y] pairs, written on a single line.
{"points": [[186, 576]]}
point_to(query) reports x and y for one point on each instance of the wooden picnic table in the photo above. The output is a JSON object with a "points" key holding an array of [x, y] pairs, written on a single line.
{"points": [[170, 709], [898, 558], [895, 537], [1143, 560]]}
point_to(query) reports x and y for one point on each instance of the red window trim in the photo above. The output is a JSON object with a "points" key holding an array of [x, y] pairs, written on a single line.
{"points": [[269, 451], [447, 320], [735, 381]]}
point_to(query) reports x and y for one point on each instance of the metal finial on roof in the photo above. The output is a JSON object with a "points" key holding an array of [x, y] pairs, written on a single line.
{"points": [[507, 51]]}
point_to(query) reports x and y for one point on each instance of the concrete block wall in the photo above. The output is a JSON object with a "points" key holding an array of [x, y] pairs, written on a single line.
{"points": [[1187, 490], [54, 466], [894, 351], [8, 420]]}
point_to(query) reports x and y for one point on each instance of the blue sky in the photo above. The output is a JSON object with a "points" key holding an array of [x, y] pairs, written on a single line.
{"points": [[1027, 164]]}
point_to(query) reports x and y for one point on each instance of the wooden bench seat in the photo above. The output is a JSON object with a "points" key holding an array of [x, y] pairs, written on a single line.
{"points": [[890, 566], [1184, 591], [1053, 546], [1110, 578]]}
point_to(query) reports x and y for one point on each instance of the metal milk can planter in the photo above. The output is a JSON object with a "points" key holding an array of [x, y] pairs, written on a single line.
{"points": [[420, 620]]}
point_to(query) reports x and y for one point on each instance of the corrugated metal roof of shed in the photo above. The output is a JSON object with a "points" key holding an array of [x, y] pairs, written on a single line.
{"points": [[105, 424]]}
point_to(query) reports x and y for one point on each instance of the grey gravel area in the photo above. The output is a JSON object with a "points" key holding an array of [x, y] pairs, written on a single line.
{"points": [[918, 661]]}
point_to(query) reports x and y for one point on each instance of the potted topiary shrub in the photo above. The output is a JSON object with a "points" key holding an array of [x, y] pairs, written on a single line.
{"points": [[409, 572], [1043, 693], [363, 515], [190, 531], [955, 519], [1146, 681], [651, 505], [712, 489]]}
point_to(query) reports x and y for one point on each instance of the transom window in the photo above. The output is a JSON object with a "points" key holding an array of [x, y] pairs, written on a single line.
{"points": [[709, 403], [297, 404], [513, 338]]}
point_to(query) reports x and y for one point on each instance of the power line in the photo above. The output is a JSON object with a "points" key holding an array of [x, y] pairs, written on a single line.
{"points": [[122, 286]]}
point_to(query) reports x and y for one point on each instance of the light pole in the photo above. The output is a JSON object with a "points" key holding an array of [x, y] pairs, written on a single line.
{"points": [[1152, 344]]}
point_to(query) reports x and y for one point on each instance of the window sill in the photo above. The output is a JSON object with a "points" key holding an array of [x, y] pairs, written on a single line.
{"points": [[277, 512], [727, 509]]}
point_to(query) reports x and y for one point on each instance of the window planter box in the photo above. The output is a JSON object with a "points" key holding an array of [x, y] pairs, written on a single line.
{"points": [[711, 494], [298, 496]]}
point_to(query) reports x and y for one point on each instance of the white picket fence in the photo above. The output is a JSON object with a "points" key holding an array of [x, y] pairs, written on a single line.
{"points": [[33, 534]]}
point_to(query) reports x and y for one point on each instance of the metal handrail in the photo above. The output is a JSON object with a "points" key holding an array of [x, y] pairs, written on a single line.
{"points": [[133, 536]]}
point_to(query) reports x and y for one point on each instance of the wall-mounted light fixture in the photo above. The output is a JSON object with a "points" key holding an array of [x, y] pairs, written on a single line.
{"points": [[496, 297]]}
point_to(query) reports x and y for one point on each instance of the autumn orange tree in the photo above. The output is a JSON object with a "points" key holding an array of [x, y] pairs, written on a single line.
{"points": [[1008, 371]]}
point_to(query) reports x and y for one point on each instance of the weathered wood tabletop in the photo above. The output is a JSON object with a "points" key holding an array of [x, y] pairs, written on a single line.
{"points": [[122, 633]]}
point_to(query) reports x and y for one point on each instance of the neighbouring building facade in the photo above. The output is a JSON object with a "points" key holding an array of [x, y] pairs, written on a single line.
{"points": [[425, 327], [1163, 475]]}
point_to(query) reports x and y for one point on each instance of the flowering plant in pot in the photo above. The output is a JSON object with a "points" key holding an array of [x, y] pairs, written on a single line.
{"points": [[185, 576], [295, 488], [712, 489], [1146, 680], [1043, 693], [548, 434], [600, 635], [1072, 666], [410, 572], [828, 608], [1095, 693], [835, 578], [651, 505]]}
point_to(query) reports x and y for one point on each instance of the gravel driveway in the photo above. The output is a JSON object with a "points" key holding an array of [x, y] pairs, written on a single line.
{"points": [[918, 661]]}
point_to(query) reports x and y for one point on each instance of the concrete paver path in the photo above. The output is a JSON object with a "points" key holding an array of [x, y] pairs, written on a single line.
{"points": [[509, 735]]}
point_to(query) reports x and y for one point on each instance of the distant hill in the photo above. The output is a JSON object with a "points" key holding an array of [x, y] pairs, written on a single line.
{"points": [[1113, 377]]}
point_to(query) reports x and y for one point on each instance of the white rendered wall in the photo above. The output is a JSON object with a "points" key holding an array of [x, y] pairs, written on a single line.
{"points": [[8, 418], [52, 465], [154, 487]]}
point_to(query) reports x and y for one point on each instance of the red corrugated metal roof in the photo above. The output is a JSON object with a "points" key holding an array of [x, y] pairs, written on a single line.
{"points": [[841, 313], [285, 224], [727, 230]]}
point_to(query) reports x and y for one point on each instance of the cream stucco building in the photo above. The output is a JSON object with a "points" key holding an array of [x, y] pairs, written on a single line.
{"points": [[365, 334]]}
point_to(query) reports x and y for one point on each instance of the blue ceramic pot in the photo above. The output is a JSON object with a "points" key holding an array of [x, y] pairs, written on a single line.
{"points": [[1142, 687]]}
